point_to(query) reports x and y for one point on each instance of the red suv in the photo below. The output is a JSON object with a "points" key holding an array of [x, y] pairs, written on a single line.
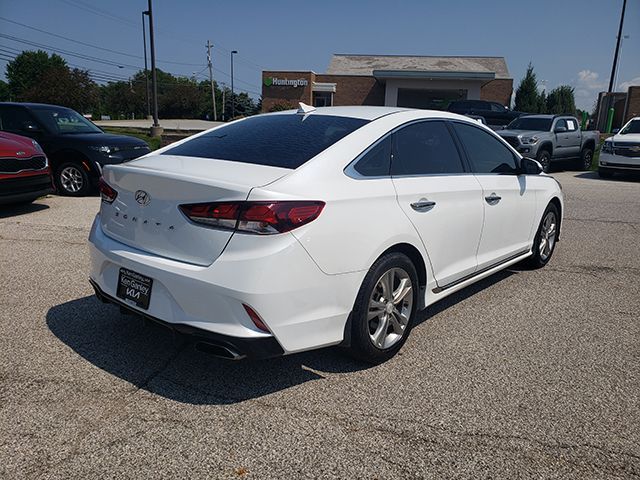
{"points": [[24, 170]]}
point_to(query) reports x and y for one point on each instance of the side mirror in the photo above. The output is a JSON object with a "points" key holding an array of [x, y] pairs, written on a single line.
{"points": [[529, 166], [615, 130], [560, 130]]}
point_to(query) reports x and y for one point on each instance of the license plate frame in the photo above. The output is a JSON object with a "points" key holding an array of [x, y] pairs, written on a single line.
{"points": [[134, 288]]}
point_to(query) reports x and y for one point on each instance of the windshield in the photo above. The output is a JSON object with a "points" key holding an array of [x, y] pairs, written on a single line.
{"points": [[64, 121], [283, 140], [531, 123], [632, 127]]}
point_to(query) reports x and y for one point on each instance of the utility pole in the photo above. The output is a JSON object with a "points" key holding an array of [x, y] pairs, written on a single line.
{"points": [[610, 110], [224, 88], [233, 96], [615, 55], [156, 129], [213, 90], [146, 71]]}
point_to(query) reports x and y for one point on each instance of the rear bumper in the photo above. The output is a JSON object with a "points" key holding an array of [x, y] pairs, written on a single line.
{"points": [[302, 307], [237, 347], [24, 188]]}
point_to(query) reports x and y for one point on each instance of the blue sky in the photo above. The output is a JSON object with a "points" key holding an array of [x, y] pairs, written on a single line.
{"points": [[568, 41]]}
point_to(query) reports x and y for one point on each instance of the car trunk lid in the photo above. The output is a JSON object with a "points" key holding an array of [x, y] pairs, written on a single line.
{"points": [[146, 215]]}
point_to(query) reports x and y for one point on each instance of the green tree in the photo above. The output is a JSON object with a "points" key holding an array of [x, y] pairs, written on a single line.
{"points": [[4, 91], [27, 69], [561, 100], [66, 87], [527, 97], [542, 103]]}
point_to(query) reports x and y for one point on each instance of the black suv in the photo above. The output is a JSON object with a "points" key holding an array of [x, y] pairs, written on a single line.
{"points": [[77, 148], [494, 113]]}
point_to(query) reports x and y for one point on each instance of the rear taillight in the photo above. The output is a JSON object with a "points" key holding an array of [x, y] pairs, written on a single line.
{"points": [[263, 218], [107, 193]]}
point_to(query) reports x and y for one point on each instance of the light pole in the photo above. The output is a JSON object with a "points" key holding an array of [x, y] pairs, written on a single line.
{"points": [[233, 96], [146, 72], [156, 129]]}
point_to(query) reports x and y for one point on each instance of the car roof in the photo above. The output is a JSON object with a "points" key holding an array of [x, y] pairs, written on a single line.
{"points": [[32, 105], [373, 112]]}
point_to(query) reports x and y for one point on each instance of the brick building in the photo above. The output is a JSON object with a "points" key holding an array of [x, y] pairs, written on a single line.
{"points": [[392, 80]]}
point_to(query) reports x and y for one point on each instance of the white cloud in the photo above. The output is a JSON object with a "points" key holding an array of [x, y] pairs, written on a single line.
{"points": [[624, 86], [588, 80]]}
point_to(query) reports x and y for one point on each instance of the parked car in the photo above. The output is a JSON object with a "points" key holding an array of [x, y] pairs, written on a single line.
{"points": [[290, 231], [495, 114], [621, 152], [24, 170], [548, 138], [76, 148]]}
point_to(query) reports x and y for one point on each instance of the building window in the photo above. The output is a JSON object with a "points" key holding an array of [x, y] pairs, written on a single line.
{"points": [[322, 99]]}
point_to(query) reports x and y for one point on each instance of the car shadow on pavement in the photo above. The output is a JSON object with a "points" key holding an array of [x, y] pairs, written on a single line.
{"points": [[627, 177], [14, 210], [156, 359]]}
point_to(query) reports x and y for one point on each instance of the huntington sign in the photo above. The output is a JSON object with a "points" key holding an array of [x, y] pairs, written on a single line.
{"points": [[285, 82]]}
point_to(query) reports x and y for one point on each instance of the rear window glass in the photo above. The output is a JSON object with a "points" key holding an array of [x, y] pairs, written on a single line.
{"points": [[283, 140]]}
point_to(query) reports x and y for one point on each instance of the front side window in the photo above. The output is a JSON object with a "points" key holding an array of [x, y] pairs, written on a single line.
{"points": [[486, 153], [425, 148], [377, 161], [280, 140], [560, 124], [64, 121]]}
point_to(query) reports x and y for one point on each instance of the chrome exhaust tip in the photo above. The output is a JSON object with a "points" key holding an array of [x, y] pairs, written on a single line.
{"points": [[219, 351]]}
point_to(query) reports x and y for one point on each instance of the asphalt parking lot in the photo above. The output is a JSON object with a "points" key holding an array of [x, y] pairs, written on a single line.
{"points": [[528, 374]]}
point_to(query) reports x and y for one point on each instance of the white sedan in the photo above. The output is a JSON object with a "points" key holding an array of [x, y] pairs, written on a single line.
{"points": [[302, 229]]}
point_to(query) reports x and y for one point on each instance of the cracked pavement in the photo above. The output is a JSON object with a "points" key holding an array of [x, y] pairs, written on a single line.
{"points": [[527, 374]]}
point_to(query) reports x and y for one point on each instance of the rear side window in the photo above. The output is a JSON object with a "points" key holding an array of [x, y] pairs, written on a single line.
{"points": [[425, 148], [486, 153], [377, 161], [283, 140]]}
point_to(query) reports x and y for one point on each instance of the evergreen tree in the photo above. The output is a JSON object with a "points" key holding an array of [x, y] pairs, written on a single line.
{"points": [[561, 100], [527, 97]]}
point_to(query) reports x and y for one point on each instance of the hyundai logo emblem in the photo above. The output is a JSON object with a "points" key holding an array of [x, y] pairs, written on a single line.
{"points": [[143, 198]]}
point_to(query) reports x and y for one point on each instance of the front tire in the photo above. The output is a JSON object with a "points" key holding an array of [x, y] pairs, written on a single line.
{"points": [[546, 238], [586, 159], [72, 180], [385, 309], [544, 158]]}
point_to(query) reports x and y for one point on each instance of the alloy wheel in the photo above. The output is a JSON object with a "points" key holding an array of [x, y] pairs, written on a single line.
{"points": [[390, 308], [71, 179], [547, 236]]}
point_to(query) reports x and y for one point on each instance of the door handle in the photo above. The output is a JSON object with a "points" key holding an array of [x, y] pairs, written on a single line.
{"points": [[423, 205], [493, 199]]}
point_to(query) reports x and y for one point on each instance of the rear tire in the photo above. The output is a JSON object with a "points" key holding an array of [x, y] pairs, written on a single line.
{"points": [[385, 309], [72, 180], [546, 238], [544, 158], [586, 159]]}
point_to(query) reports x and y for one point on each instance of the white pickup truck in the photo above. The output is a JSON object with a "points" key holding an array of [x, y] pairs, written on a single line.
{"points": [[551, 137]]}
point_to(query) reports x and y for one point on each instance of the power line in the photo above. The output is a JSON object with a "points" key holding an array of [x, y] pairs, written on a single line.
{"points": [[117, 52], [110, 16]]}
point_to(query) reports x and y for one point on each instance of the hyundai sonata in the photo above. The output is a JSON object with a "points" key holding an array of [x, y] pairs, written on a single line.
{"points": [[301, 229]]}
